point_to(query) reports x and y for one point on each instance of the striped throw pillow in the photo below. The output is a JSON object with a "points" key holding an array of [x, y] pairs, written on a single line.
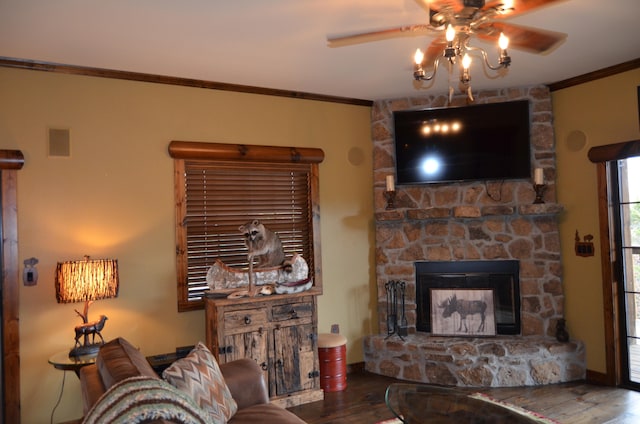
{"points": [[199, 375]]}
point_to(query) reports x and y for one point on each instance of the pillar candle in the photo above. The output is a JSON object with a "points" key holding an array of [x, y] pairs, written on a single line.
{"points": [[390, 183], [538, 177]]}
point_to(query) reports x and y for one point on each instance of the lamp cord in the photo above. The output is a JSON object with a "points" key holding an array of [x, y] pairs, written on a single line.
{"points": [[64, 375]]}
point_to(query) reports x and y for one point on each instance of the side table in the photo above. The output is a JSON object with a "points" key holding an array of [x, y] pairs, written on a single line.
{"points": [[62, 361]]}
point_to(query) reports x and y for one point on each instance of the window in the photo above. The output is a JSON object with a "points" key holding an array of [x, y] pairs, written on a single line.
{"points": [[625, 199], [618, 203], [219, 187]]}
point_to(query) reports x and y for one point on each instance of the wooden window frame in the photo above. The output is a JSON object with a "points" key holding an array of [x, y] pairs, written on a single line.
{"points": [[185, 153]]}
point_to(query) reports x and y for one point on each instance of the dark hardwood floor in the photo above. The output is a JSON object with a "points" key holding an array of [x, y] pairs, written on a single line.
{"points": [[568, 403]]}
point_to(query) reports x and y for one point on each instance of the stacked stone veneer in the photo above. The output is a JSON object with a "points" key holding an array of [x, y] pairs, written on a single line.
{"points": [[493, 220]]}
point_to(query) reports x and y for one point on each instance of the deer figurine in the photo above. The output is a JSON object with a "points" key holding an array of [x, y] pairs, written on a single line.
{"points": [[90, 328]]}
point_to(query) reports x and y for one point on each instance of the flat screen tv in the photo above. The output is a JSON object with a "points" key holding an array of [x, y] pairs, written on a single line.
{"points": [[470, 143]]}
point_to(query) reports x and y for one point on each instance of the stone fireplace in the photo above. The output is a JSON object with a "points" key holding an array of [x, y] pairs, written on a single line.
{"points": [[461, 223]]}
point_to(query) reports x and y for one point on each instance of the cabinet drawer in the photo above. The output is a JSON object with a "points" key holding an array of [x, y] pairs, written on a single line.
{"points": [[290, 311], [245, 320]]}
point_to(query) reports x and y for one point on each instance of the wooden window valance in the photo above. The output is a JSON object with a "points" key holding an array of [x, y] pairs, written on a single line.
{"points": [[11, 159]]}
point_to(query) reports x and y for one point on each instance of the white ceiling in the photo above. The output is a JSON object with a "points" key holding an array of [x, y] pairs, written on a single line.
{"points": [[282, 43]]}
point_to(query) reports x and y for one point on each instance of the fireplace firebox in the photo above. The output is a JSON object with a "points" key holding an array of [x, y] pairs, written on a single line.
{"points": [[500, 276]]}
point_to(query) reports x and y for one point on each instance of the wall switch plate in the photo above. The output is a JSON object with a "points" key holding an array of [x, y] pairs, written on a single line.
{"points": [[30, 276], [30, 273]]}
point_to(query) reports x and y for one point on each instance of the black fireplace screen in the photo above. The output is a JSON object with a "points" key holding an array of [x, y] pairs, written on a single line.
{"points": [[501, 276]]}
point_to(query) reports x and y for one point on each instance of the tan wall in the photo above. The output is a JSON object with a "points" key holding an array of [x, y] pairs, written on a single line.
{"points": [[114, 198], [606, 111]]}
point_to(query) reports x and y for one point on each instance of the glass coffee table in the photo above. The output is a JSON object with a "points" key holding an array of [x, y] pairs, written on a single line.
{"points": [[423, 403]]}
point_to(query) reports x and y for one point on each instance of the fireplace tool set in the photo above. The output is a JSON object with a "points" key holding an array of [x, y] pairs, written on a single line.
{"points": [[396, 320]]}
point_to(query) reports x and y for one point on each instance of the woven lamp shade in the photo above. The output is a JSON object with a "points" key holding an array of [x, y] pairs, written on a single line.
{"points": [[86, 280]]}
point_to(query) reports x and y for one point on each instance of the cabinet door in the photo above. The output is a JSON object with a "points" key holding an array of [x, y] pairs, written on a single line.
{"points": [[245, 345], [294, 361]]}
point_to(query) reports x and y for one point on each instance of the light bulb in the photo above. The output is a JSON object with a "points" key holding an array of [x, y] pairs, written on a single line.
{"points": [[466, 61], [503, 41], [450, 34], [418, 57]]}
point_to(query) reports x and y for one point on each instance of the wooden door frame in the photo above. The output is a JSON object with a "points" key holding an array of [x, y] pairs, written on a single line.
{"points": [[600, 155], [10, 162]]}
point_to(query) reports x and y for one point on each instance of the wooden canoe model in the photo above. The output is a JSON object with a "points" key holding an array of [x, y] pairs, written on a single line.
{"points": [[222, 278]]}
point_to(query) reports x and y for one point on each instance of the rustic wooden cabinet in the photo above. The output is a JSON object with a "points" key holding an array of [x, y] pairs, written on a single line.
{"points": [[279, 332]]}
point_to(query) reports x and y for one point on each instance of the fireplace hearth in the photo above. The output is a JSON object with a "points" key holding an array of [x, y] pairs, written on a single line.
{"points": [[500, 276]]}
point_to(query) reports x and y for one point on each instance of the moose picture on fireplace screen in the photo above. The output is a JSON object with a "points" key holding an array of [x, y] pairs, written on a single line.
{"points": [[462, 312]]}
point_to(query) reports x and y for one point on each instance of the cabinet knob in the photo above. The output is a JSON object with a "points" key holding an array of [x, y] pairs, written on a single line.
{"points": [[294, 314], [264, 366], [247, 319], [279, 363]]}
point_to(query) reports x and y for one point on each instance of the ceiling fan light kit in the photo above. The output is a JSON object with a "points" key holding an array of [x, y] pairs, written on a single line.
{"points": [[457, 50], [459, 29], [455, 22]]}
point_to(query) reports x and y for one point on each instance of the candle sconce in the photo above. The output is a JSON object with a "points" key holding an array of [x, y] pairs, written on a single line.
{"points": [[539, 189], [391, 197]]}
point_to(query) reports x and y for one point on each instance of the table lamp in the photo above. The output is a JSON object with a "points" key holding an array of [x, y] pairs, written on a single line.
{"points": [[85, 281]]}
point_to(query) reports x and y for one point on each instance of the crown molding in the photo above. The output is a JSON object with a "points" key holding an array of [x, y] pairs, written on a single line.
{"points": [[595, 75], [36, 65]]}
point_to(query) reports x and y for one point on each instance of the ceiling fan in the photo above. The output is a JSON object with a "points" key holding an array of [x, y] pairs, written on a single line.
{"points": [[454, 23]]}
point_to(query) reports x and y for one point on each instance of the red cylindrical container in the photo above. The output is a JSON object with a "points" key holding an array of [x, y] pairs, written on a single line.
{"points": [[332, 355]]}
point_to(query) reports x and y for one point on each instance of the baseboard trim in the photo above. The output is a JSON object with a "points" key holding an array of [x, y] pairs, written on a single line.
{"points": [[595, 377], [355, 368]]}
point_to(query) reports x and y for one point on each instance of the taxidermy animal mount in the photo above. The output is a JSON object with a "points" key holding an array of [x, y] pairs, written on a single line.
{"points": [[263, 244]]}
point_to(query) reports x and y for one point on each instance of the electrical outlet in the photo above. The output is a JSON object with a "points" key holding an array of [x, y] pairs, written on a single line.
{"points": [[335, 329]]}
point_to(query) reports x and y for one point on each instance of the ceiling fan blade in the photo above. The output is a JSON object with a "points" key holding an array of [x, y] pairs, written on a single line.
{"points": [[441, 11], [533, 40], [424, 4], [437, 5], [434, 51], [519, 6], [383, 34]]}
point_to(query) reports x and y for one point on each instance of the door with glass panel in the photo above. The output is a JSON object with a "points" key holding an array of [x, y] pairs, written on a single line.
{"points": [[625, 179]]}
